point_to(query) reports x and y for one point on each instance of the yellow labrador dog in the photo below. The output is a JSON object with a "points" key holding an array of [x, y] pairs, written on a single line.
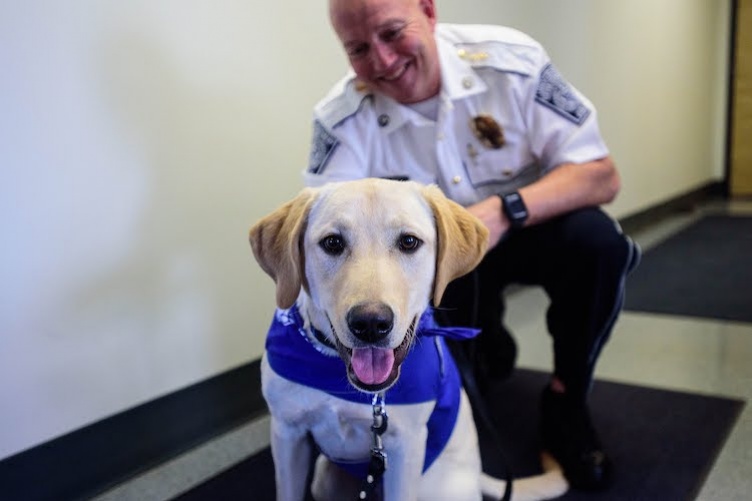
{"points": [[356, 265]]}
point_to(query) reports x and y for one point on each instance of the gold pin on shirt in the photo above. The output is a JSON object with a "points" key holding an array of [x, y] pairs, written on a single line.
{"points": [[473, 57], [488, 131], [361, 86]]}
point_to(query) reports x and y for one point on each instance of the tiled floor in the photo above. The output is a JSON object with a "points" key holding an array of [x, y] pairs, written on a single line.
{"points": [[680, 353]]}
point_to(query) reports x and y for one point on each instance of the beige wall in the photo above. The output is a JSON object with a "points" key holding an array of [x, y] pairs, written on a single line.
{"points": [[139, 140]]}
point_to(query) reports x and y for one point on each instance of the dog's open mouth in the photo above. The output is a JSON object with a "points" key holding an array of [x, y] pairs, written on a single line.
{"points": [[372, 369]]}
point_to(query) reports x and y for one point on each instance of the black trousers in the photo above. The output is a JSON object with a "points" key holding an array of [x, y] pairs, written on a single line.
{"points": [[581, 260]]}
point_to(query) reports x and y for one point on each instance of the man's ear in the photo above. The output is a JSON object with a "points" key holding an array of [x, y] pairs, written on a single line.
{"points": [[461, 240], [277, 243], [428, 7]]}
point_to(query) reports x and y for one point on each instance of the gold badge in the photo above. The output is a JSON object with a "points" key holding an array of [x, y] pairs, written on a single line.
{"points": [[488, 131]]}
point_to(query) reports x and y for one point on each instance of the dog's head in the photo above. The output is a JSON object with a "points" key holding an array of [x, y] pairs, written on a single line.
{"points": [[370, 255]]}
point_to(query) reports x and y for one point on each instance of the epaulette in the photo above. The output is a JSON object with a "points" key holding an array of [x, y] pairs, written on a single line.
{"points": [[344, 101], [501, 56], [498, 47]]}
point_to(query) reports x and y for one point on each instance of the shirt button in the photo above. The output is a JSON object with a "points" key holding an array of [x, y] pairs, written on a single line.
{"points": [[456, 180], [383, 120], [467, 82], [507, 172]]}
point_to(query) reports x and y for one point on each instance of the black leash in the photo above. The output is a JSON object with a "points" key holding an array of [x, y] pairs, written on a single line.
{"points": [[480, 410], [377, 466], [378, 463], [464, 363]]}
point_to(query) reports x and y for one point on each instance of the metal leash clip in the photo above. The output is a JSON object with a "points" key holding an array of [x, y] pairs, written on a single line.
{"points": [[378, 463]]}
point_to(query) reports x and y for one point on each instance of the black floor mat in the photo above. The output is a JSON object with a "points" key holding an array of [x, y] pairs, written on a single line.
{"points": [[704, 270], [663, 443]]}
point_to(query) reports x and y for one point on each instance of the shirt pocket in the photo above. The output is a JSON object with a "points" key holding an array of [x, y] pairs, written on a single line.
{"points": [[487, 166]]}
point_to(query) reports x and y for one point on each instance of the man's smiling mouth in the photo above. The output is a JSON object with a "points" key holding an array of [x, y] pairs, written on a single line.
{"points": [[396, 75]]}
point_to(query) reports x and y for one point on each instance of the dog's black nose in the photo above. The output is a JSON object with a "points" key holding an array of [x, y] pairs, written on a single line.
{"points": [[370, 322]]}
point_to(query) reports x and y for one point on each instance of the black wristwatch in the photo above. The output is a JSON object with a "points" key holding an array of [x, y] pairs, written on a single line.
{"points": [[514, 208]]}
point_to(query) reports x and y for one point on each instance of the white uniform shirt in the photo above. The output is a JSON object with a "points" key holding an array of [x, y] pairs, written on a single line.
{"points": [[489, 70]]}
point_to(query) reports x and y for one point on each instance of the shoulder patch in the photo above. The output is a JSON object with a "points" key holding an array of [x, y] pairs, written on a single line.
{"points": [[322, 147], [554, 93]]}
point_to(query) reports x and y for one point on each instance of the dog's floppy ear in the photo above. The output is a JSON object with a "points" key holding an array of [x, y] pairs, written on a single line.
{"points": [[461, 240], [276, 241]]}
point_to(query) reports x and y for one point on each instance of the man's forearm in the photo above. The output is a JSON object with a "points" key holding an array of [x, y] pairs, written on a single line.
{"points": [[566, 188], [569, 187]]}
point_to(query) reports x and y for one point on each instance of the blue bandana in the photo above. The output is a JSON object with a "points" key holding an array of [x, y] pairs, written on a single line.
{"points": [[427, 374]]}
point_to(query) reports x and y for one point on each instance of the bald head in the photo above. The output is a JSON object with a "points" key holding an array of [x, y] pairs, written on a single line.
{"points": [[390, 45], [363, 6]]}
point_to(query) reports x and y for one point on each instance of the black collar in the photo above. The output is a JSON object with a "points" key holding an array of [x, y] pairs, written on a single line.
{"points": [[321, 338]]}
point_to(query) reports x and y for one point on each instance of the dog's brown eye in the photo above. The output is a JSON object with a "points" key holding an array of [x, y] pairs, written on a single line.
{"points": [[333, 244], [409, 243]]}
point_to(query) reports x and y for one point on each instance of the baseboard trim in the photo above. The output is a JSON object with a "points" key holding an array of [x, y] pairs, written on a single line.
{"points": [[686, 202], [89, 461]]}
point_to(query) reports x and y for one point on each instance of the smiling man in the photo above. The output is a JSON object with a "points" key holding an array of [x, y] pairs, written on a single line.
{"points": [[390, 46], [483, 113]]}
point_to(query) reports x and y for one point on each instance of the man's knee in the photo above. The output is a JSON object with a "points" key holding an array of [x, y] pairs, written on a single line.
{"points": [[593, 238]]}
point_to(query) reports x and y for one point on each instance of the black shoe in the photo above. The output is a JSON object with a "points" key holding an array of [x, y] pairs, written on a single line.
{"points": [[568, 434]]}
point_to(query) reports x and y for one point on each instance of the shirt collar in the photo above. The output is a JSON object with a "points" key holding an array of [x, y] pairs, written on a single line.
{"points": [[458, 80]]}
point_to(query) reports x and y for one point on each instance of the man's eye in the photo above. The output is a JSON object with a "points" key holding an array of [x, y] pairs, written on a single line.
{"points": [[333, 245], [357, 51], [409, 243], [391, 34]]}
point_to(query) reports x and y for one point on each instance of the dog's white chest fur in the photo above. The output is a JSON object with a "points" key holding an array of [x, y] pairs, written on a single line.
{"points": [[340, 428]]}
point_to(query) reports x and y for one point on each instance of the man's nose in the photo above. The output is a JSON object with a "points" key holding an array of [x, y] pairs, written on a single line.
{"points": [[382, 56]]}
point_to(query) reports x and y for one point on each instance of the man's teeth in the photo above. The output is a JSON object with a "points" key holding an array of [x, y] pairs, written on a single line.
{"points": [[396, 75]]}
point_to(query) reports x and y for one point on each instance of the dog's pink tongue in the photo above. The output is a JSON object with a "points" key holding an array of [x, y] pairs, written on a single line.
{"points": [[372, 365]]}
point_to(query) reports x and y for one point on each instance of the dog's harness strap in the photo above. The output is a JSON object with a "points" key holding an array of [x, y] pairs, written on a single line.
{"points": [[378, 464]]}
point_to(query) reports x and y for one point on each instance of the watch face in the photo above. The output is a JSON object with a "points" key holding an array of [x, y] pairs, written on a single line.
{"points": [[515, 208]]}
